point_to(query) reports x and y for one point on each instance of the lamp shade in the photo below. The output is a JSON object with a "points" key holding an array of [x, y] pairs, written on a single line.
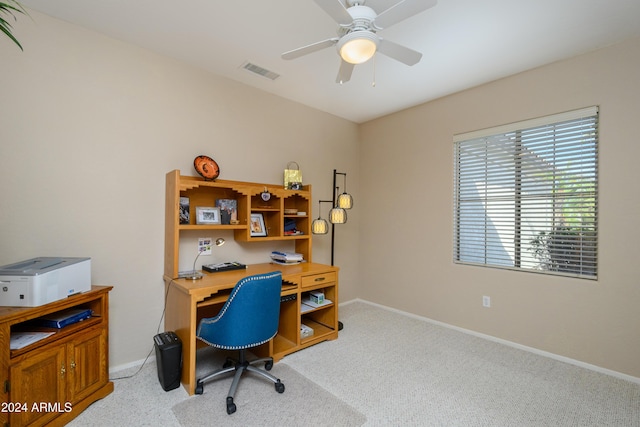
{"points": [[319, 226], [337, 216], [358, 46], [345, 201]]}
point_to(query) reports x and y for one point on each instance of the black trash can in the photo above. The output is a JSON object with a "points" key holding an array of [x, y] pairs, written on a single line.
{"points": [[169, 359]]}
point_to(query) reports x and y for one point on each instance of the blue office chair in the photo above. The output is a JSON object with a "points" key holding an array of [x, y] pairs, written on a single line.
{"points": [[248, 319]]}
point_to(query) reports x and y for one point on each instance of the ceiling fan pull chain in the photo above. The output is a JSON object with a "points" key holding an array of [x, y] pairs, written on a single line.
{"points": [[373, 83]]}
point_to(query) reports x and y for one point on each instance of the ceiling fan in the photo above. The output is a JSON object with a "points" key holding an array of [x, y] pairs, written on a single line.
{"points": [[357, 39]]}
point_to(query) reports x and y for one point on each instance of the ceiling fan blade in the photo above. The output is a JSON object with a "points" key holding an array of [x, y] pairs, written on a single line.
{"points": [[336, 10], [296, 53], [344, 74], [401, 11], [399, 52]]}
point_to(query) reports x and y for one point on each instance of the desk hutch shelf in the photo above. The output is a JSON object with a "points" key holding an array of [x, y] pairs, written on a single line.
{"points": [[248, 197]]}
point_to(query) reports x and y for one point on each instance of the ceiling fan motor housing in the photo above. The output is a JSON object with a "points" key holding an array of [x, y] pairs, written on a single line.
{"points": [[362, 18]]}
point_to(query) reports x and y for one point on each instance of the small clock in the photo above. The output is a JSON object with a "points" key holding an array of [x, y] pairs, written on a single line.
{"points": [[206, 167]]}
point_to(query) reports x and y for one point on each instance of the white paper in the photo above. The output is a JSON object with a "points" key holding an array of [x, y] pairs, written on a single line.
{"points": [[23, 339]]}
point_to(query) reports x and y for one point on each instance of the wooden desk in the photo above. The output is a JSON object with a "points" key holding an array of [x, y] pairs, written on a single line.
{"points": [[188, 301]]}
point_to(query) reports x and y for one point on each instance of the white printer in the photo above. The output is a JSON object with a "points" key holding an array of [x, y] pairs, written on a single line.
{"points": [[42, 280]]}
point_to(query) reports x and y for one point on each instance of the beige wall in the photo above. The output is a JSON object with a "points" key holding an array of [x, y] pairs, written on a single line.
{"points": [[407, 175], [89, 126]]}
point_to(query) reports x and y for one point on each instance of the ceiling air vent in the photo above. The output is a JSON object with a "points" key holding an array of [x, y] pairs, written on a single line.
{"points": [[260, 71]]}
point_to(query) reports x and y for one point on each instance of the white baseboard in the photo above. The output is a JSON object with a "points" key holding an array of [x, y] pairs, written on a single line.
{"points": [[534, 350], [114, 370], [595, 368]]}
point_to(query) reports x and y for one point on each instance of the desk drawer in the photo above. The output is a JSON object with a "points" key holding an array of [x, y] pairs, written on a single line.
{"points": [[318, 279]]}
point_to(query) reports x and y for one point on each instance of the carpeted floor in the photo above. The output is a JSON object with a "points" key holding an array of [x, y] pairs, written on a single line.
{"points": [[303, 403], [390, 369]]}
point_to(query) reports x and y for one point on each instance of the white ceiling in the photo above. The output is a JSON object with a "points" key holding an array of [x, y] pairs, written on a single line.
{"points": [[464, 43]]}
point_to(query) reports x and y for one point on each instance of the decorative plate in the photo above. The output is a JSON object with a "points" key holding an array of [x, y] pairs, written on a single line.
{"points": [[206, 167]]}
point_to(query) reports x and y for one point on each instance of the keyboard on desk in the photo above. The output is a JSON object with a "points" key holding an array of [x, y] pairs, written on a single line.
{"points": [[223, 266]]}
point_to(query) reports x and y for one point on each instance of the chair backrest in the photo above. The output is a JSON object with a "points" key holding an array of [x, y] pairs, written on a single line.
{"points": [[249, 317]]}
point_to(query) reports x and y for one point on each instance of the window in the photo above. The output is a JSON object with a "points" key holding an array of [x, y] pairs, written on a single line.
{"points": [[526, 195]]}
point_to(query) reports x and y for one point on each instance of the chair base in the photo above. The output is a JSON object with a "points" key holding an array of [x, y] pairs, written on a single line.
{"points": [[240, 366]]}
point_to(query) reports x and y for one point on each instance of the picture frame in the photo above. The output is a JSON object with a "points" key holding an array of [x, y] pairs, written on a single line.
{"points": [[257, 226], [228, 210], [184, 210], [207, 215]]}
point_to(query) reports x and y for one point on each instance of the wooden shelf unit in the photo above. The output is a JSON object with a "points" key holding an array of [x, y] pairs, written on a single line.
{"points": [[65, 372], [188, 300], [247, 195]]}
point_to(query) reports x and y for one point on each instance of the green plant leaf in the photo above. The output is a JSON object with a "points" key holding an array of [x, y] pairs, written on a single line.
{"points": [[5, 26]]}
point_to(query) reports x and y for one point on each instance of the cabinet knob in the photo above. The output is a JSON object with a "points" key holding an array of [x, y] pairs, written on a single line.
{"points": [[320, 279], [62, 370], [73, 364]]}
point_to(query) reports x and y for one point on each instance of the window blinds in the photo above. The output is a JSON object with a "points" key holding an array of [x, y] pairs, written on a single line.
{"points": [[526, 195]]}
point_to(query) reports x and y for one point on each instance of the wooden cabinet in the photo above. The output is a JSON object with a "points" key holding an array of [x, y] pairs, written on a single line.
{"points": [[283, 207], [50, 381]]}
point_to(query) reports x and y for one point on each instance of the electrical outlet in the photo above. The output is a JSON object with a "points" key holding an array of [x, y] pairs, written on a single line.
{"points": [[486, 301], [204, 245]]}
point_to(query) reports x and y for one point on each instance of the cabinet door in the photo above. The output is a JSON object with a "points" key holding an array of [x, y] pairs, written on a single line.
{"points": [[87, 364], [38, 387]]}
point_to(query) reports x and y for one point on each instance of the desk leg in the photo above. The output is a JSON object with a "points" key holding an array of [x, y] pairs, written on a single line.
{"points": [[180, 317]]}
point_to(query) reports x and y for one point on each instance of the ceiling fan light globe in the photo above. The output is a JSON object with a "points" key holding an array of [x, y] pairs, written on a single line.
{"points": [[358, 46]]}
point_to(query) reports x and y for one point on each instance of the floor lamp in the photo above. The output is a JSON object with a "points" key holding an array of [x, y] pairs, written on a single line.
{"points": [[340, 202]]}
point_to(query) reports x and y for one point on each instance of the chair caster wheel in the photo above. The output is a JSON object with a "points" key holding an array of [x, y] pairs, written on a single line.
{"points": [[199, 387], [231, 407], [268, 365], [279, 387]]}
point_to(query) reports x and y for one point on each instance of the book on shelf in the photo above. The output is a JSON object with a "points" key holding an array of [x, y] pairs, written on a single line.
{"points": [[286, 257], [64, 318], [305, 308], [274, 261], [308, 302], [290, 228]]}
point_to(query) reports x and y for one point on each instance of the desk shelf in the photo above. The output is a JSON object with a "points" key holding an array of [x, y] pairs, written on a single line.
{"points": [[320, 332], [57, 334], [282, 345], [217, 299], [186, 227]]}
